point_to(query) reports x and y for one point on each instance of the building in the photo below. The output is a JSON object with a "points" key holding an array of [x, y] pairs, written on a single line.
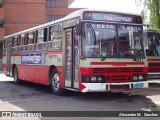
{"points": [[18, 15]]}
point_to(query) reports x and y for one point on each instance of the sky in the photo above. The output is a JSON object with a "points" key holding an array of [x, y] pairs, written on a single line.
{"points": [[128, 6]]}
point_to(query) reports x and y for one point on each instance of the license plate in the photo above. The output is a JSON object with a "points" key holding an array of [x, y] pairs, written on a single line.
{"points": [[119, 87], [138, 85]]}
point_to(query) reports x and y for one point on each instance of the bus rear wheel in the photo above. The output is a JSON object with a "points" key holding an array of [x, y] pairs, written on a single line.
{"points": [[55, 83], [16, 79]]}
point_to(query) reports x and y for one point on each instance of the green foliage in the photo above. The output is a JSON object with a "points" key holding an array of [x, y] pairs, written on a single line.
{"points": [[153, 7]]}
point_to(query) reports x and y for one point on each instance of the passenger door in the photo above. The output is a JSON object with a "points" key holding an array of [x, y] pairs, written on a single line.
{"points": [[8, 54], [71, 69]]}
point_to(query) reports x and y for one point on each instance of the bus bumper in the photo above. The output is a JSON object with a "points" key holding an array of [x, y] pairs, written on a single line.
{"points": [[153, 76], [103, 87]]}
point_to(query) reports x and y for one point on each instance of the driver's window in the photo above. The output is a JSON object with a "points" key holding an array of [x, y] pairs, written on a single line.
{"points": [[90, 39]]}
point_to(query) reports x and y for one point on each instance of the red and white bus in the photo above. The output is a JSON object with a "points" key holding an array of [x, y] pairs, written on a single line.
{"points": [[86, 51], [152, 48]]}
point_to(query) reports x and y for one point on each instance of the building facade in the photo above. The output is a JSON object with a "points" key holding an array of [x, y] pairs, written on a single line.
{"points": [[18, 15]]}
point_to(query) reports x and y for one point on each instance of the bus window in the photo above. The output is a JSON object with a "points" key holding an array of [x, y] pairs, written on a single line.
{"points": [[41, 39], [130, 41], [30, 41], [15, 42], [98, 40], [22, 42], [30, 38], [41, 35], [55, 37], [55, 32], [19, 40]]}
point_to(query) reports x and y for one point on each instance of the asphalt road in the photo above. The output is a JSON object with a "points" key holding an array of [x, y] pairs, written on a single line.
{"points": [[34, 97]]}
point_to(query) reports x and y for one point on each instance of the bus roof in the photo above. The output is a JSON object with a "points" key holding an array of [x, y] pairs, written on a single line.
{"points": [[74, 14]]}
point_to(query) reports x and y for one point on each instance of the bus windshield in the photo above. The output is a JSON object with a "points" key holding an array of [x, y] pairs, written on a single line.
{"points": [[102, 40], [153, 44]]}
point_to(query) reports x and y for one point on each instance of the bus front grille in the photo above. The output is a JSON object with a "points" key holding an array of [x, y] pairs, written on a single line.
{"points": [[151, 64], [123, 78], [111, 70], [151, 69]]}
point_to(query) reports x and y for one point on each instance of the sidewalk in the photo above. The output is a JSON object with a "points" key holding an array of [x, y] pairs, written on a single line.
{"points": [[3, 77], [154, 81]]}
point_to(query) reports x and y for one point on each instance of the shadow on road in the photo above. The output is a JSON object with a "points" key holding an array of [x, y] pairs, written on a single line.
{"points": [[29, 96]]}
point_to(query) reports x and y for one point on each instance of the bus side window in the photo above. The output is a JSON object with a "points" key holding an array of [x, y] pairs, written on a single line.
{"points": [[30, 41], [45, 34], [55, 35], [36, 36], [14, 44], [14, 39], [50, 33], [30, 38], [22, 39], [19, 40], [22, 42], [40, 37]]}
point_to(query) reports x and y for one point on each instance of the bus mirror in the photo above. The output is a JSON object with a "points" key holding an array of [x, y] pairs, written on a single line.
{"points": [[78, 28]]}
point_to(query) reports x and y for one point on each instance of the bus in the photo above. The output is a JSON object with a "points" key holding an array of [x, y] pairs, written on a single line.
{"points": [[152, 49], [86, 51]]}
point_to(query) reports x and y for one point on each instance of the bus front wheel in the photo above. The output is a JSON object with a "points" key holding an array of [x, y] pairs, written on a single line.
{"points": [[55, 83]]}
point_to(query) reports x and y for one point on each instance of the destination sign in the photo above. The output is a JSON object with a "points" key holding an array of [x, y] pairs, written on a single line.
{"points": [[112, 17]]}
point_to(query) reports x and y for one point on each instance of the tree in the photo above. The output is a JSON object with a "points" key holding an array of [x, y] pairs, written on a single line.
{"points": [[153, 8]]}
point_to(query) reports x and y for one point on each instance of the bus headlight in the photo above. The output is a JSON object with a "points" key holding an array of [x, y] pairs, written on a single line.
{"points": [[141, 77], [138, 78], [135, 78], [93, 79], [99, 79]]}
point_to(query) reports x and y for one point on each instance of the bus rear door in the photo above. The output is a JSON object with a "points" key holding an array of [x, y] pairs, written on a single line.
{"points": [[8, 54]]}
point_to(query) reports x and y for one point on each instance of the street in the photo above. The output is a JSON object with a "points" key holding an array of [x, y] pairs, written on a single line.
{"points": [[34, 97]]}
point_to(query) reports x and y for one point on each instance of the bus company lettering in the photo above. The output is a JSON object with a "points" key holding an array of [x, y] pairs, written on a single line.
{"points": [[103, 26], [32, 58], [119, 64]]}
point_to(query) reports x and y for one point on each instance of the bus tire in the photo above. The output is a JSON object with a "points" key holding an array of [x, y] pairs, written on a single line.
{"points": [[16, 79], [55, 83]]}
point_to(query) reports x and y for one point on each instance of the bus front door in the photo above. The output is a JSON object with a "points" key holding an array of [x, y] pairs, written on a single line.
{"points": [[8, 54], [71, 74]]}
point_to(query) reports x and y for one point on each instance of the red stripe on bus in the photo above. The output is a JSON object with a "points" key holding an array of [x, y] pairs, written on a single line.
{"points": [[38, 74], [15, 54], [153, 60], [117, 63], [54, 52]]}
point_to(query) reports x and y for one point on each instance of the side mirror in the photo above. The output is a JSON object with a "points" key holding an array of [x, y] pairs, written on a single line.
{"points": [[78, 27]]}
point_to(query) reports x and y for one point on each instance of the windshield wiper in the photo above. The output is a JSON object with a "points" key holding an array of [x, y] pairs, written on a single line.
{"points": [[135, 53]]}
